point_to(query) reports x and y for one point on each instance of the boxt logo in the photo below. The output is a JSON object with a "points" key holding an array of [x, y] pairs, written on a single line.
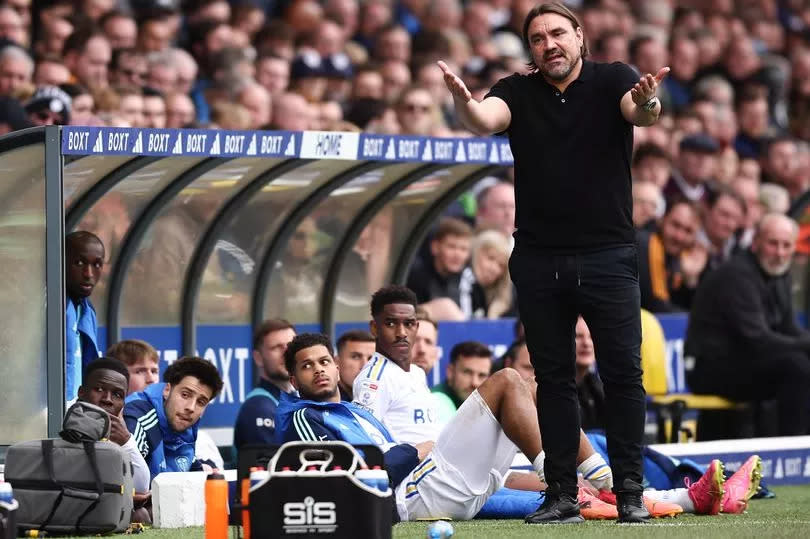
{"points": [[310, 516]]}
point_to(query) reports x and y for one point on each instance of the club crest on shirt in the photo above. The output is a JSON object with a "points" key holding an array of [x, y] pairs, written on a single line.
{"points": [[368, 392], [182, 463]]}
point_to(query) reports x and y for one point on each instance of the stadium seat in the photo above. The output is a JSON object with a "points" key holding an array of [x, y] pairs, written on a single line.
{"points": [[669, 407]]}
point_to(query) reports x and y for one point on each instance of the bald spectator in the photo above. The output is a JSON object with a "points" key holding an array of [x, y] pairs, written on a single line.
{"points": [[495, 208], [88, 55], [743, 342], [120, 29], [179, 110], [273, 72], [256, 99], [329, 38], [291, 112], [16, 70]]}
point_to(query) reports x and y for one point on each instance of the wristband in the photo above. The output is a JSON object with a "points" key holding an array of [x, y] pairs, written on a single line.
{"points": [[649, 106]]}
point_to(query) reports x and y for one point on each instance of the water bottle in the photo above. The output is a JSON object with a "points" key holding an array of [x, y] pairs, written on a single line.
{"points": [[216, 507]]}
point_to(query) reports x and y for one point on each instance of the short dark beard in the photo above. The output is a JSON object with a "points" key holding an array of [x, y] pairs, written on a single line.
{"points": [[558, 78]]}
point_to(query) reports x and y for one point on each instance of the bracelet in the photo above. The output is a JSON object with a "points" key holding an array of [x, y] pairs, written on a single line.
{"points": [[651, 103]]}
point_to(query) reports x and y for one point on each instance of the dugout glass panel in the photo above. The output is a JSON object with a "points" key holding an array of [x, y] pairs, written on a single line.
{"points": [[79, 175], [296, 284], [153, 287], [232, 267], [23, 369], [370, 265], [111, 217]]}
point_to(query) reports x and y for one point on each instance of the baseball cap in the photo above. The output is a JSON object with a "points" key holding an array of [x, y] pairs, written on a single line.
{"points": [[338, 66], [307, 64], [50, 98], [700, 142]]}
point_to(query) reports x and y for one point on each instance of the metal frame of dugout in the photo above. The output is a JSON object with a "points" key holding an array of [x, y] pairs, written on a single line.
{"points": [[195, 220]]}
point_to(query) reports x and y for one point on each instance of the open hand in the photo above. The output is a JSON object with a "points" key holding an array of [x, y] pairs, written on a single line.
{"points": [[454, 83], [645, 88]]}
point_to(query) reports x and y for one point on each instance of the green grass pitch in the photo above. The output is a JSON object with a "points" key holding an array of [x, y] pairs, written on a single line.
{"points": [[787, 515]]}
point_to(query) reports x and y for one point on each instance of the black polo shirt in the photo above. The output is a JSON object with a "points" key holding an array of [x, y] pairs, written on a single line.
{"points": [[572, 158]]}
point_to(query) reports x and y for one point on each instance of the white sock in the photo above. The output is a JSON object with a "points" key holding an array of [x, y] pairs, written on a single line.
{"points": [[676, 495], [597, 472], [537, 464]]}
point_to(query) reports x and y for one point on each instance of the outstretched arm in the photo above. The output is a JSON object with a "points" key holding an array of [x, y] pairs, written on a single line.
{"points": [[633, 102], [489, 116]]}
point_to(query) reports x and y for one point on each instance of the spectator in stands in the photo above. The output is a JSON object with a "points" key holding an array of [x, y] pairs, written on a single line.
{"points": [[13, 28], [695, 167], [725, 213], [470, 364], [16, 70], [354, 350], [683, 57], [752, 116], [187, 70], [440, 283], [648, 203], [161, 71], [12, 116], [154, 34], [179, 110], [517, 357], [128, 67], [779, 165], [87, 55], [84, 260], [257, 100], [489, 263], [120, 29], [273, 72], [425, 352], [255, 422], [51, 71], [590, 392], [670, 260], [291, 112], [495, 208], [417, 113], [104, 384], [131, 105], [163, 418], [651, 163], [743, 342], [396, 77], [141, 361], [154, 108], [748, 189]]}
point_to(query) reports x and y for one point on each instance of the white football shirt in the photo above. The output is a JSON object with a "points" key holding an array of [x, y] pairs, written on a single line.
{"points": [[400, 400]]}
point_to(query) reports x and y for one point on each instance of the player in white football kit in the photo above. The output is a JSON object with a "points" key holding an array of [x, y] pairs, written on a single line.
{"points": [[473, 452]]}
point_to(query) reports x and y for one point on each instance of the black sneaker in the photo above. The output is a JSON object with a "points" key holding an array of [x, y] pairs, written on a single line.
{"points": [[629, 504], [556, 509]]}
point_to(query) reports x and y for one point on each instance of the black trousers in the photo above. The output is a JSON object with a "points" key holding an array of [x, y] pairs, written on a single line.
{"points": [[602, 286], [785, 378]]}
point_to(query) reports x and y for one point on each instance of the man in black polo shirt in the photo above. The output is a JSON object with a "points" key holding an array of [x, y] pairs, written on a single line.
{"points": [[570, 124]]}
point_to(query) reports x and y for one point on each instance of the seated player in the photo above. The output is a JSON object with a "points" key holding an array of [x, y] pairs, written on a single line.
{"points": [[142, 362], [424, 475], [163, 418], [104, 384]]}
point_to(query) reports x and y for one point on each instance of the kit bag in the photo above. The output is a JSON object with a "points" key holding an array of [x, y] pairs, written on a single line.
{"points": [[76, 488]]}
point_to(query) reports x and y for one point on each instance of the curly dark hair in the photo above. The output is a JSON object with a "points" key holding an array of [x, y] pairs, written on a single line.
{"points": [[199, 368], [300, 342], [391, 294]]}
